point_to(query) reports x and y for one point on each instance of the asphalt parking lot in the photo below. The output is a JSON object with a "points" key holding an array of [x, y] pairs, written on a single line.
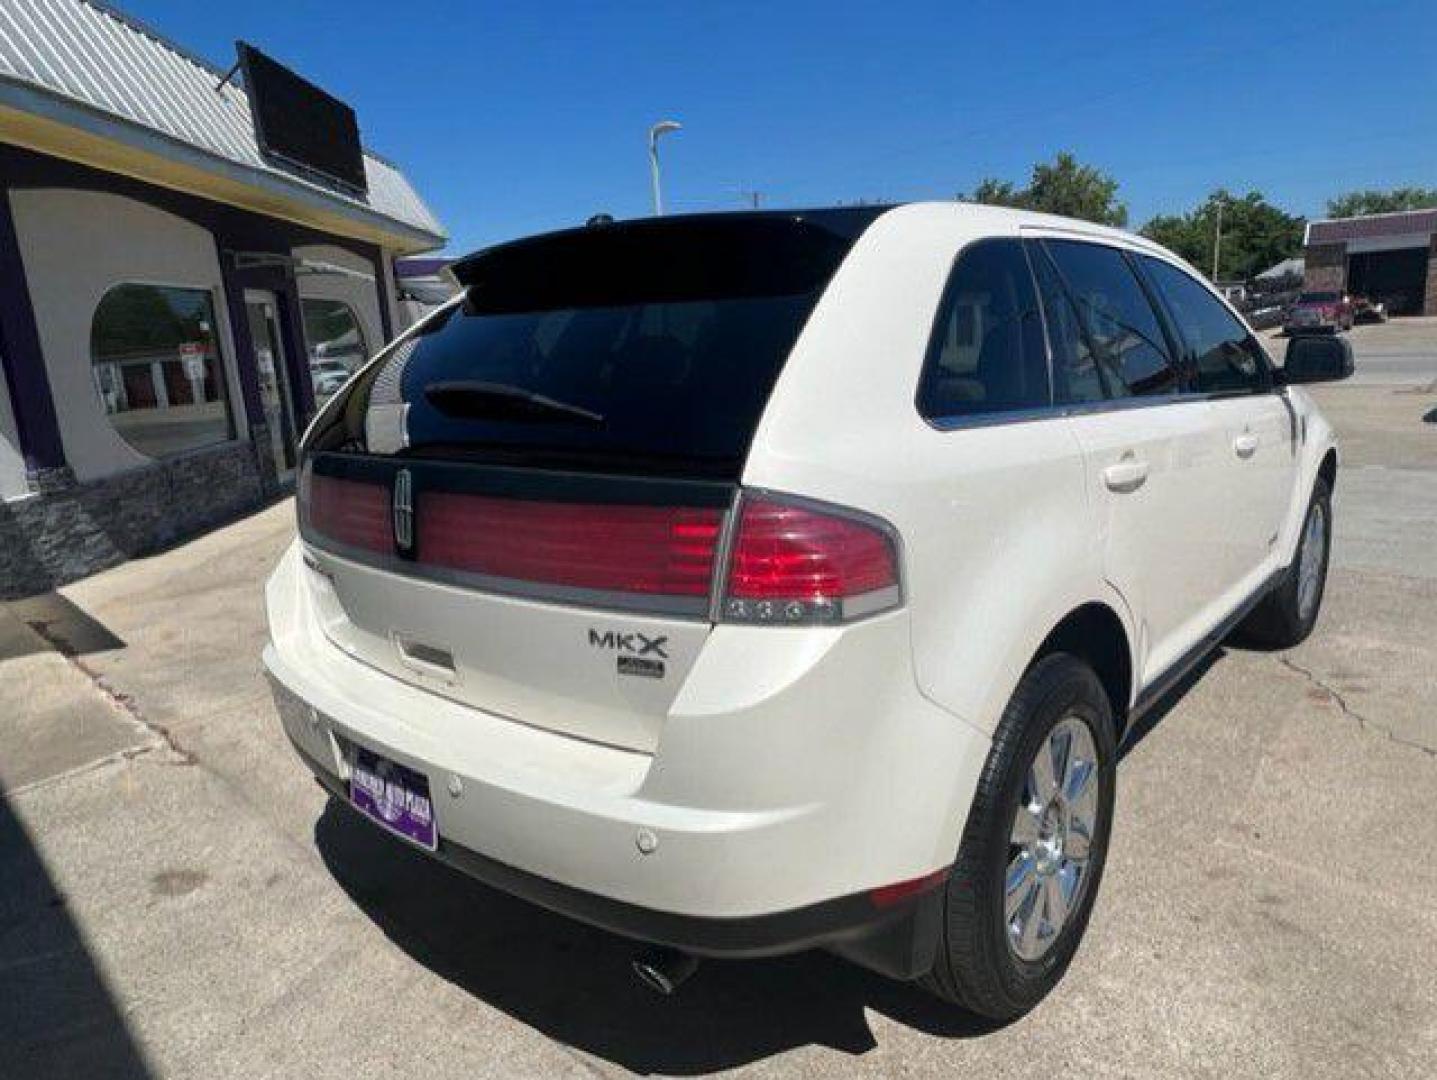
{"points": [[177, 898]]}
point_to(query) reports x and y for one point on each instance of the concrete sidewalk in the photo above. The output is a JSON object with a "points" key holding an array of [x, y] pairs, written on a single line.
{"points": [[177, 898]]}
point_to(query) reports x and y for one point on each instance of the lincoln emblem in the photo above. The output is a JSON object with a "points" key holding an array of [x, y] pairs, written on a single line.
{"points": [[403, 511]]}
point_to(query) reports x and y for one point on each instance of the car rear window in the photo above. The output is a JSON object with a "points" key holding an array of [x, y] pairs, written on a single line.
{"points": [[647, 347]]}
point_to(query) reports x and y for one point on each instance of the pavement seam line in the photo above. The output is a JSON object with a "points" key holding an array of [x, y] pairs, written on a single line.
{"points": [[130, 753], [1363, 722], [118, 698], [181, 756]]}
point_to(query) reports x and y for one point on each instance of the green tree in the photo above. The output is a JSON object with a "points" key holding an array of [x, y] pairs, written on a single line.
{"points": [[1062, 187], [995, 193], [1255, 234], [1356, 203]]}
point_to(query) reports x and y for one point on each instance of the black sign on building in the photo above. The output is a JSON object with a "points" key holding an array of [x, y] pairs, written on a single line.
{"points": [[298, 124]]}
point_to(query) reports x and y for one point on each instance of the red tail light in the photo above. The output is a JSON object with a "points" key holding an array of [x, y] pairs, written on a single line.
{"points": [[790, 562], [656, 550], [795, 564], [350, 512]]}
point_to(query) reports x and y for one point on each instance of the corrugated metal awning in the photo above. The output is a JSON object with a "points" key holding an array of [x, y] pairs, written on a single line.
{"points": [[85, 65]]}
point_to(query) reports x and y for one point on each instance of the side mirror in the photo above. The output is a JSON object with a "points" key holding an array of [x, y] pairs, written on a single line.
{"points": [[1325, 358]]}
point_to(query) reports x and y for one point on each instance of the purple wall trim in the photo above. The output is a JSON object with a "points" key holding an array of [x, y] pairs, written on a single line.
{"points": [[29, 386], [382, 282], [291, 329], [234, 229], [291, 332], [420, 265], [244, 345]]}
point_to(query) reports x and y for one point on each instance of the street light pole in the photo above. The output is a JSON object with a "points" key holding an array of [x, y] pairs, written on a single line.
{"points": [[663, 127]]}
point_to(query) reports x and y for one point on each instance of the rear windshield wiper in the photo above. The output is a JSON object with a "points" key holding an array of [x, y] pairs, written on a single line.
{"points": [[472, 399]]}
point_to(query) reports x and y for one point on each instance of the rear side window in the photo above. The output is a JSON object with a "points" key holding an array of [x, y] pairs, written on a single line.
{"points": [[1120, 350], [987, 353], [647, 348], [1225, 356]]}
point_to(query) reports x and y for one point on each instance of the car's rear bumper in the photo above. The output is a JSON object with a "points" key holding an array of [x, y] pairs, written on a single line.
{"points": [[897, 939], [767, 827]]}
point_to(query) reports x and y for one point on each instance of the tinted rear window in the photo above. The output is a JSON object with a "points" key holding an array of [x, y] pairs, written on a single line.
{"points": [[987, 353], [649, 347]]}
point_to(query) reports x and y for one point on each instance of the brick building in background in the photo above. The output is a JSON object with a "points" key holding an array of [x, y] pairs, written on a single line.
{"points": [[1390, 258]]}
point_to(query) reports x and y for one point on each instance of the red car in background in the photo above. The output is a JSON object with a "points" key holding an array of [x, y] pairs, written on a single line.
{"points": [[1320, 313]]}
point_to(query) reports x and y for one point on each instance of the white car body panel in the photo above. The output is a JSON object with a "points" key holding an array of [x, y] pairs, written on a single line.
{"points": [[530, 661], [780, 767], [748, 773]]}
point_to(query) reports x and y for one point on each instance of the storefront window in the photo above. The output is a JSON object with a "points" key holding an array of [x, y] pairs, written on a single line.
{"points": [[157, 368], [336, 345]]}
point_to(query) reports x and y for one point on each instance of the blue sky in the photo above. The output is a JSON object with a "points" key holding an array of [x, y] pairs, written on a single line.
{"points": [[517, 117]]}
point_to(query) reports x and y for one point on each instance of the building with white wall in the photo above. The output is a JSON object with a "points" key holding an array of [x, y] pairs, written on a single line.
{"points": [[177, 297]]}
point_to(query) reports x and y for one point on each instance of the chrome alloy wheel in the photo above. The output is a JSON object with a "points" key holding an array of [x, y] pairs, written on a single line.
{"points": [[1310, 560], [1050, 843]]}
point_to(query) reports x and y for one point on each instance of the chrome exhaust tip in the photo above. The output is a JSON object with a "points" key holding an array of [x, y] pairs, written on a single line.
{"points": [[664, 970]]}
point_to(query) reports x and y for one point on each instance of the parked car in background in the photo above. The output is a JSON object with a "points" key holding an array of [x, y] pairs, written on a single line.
{"points": [[1319, 313], [1367, 310], [1265, 316], [329, 375], [752, 583]]}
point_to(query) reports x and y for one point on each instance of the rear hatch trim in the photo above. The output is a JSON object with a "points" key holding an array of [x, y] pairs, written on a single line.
{"points": [[519, 484]]}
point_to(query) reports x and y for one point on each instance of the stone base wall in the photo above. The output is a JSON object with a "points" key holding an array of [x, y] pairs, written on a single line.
{"points": [[57, 536]]}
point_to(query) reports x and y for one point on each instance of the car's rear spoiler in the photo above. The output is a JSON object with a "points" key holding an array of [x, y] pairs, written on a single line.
{"points": [[663, 260]]}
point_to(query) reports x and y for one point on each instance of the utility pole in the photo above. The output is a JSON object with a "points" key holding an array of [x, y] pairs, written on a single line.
{"points": [[751, 197], [1217, 242]]}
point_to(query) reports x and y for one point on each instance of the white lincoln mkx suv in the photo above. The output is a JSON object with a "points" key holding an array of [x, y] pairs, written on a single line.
{"points": [[748, 583]]}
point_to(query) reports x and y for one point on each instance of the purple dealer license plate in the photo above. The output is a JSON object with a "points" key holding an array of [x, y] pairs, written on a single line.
{"points": [[394, 795]]}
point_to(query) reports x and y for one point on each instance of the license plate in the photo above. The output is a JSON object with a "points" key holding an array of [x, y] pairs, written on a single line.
{"points": [[394, 795]]}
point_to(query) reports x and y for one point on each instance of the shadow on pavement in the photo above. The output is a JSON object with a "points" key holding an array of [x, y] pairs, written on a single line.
{"points": [[574, 984], [57, 1016], [64, 625], [1165, 704]]}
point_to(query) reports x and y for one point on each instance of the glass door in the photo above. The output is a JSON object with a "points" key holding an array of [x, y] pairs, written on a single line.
{"points": [[261, 309]]}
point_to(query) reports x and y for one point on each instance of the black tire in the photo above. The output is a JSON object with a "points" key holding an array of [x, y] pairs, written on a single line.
{"points": [[1280, 621], [976, 966]]}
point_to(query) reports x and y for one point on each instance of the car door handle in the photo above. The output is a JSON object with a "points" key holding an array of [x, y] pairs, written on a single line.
{"points": [[1245, 445], [1126, 475]]}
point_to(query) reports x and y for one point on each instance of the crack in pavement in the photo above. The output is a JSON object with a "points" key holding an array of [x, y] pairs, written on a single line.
{"points": [[117, 697], [1347, 710], [179, 754]]}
